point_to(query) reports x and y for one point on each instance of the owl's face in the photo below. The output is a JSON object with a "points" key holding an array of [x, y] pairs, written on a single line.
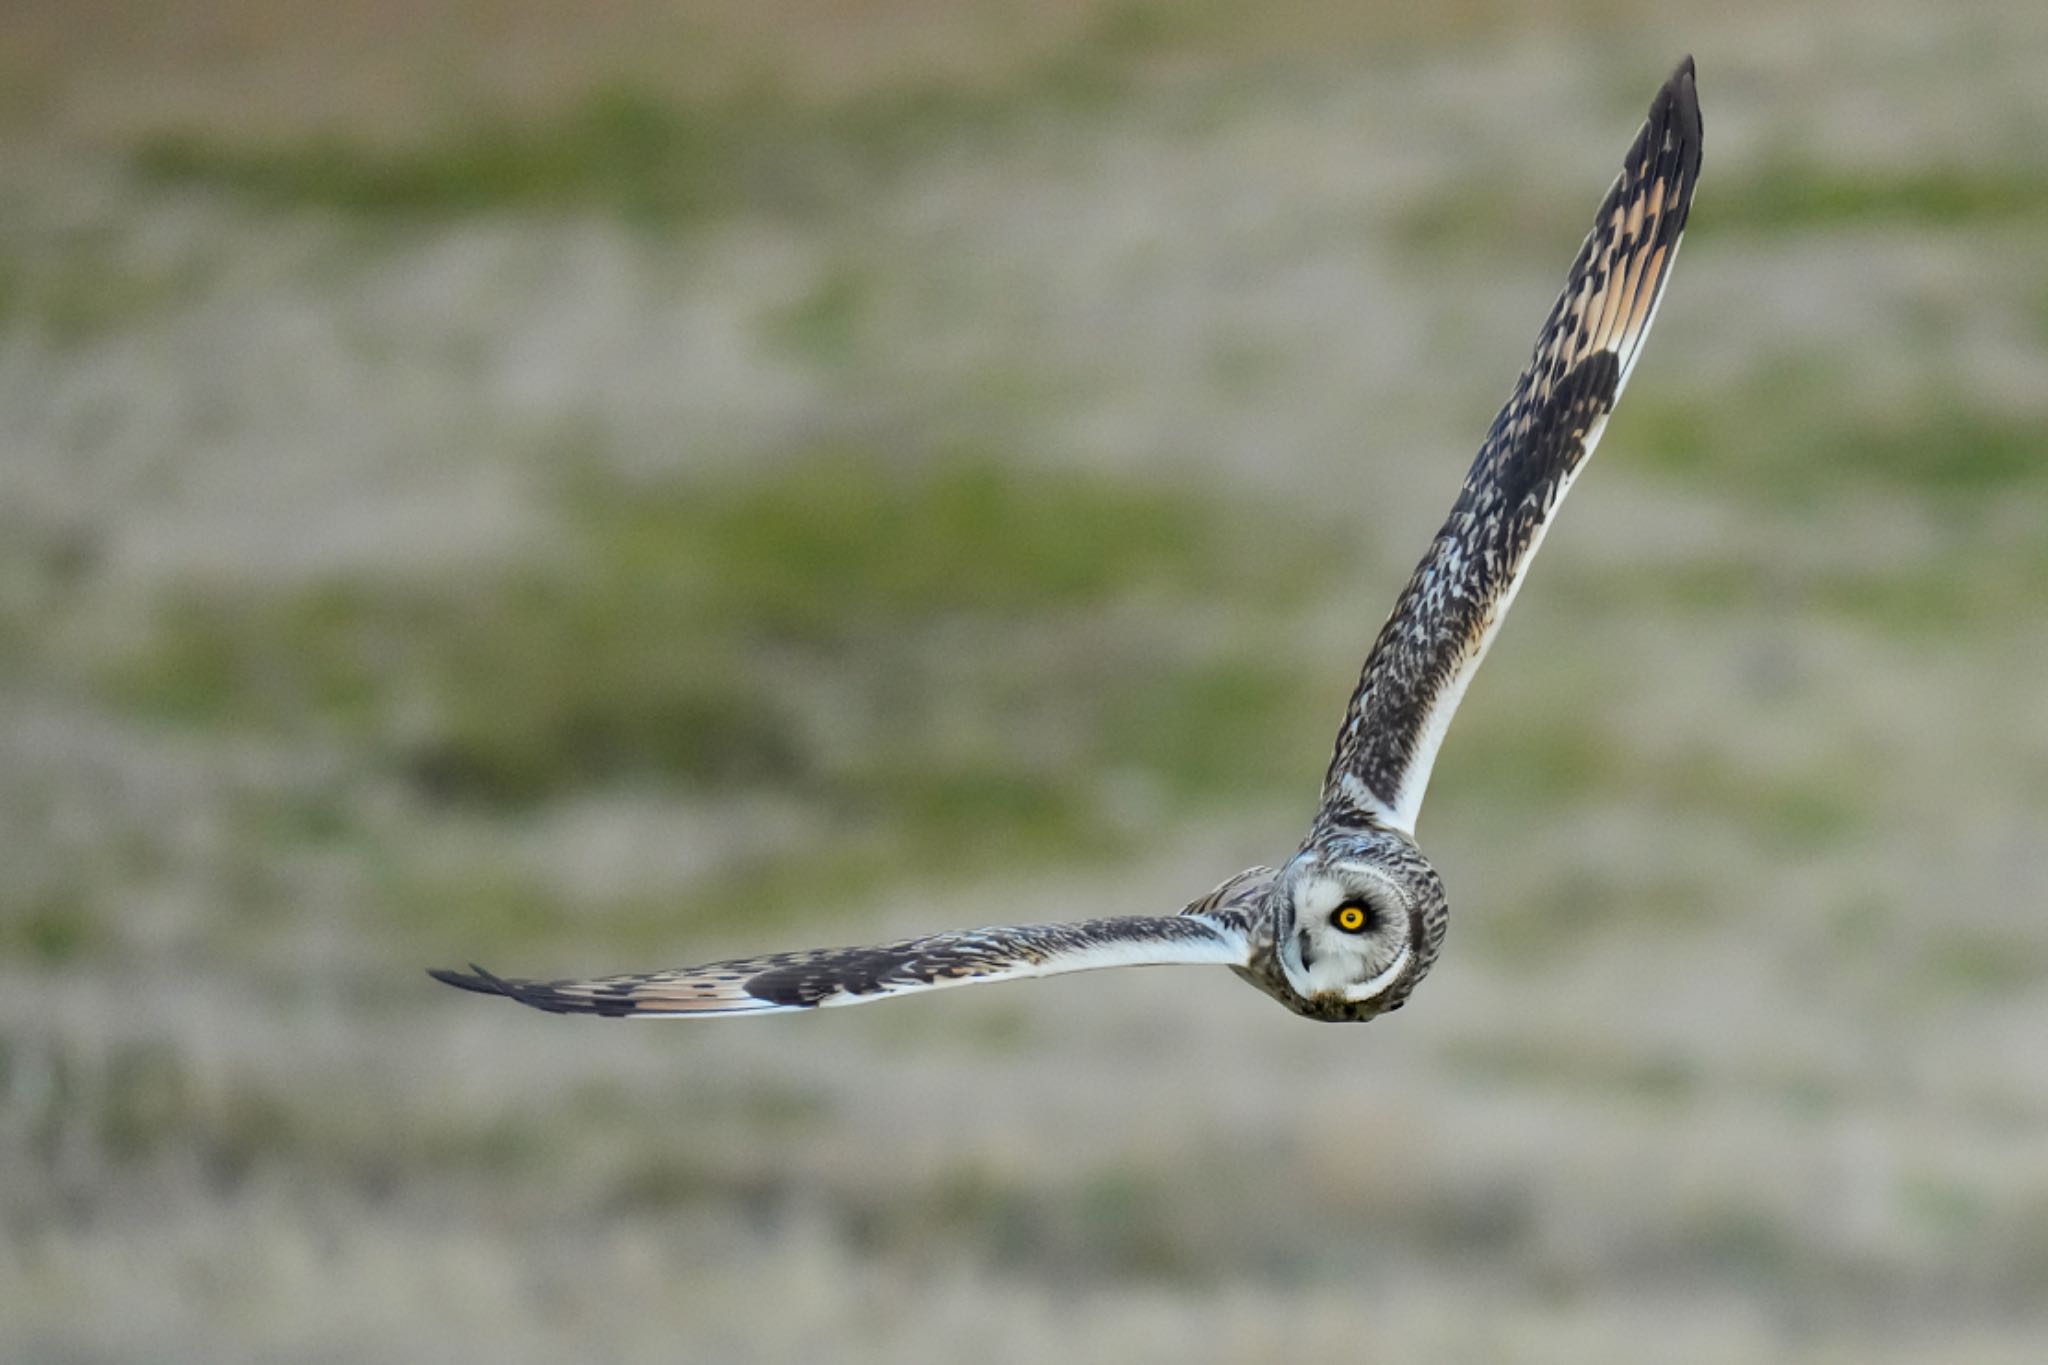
{"points": [[1358, 927]]}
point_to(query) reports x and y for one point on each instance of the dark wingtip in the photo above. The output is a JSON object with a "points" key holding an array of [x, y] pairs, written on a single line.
{"points": [[1670, 143], [533, 994], [1681, 97], [481, 981], [1682, 85]]}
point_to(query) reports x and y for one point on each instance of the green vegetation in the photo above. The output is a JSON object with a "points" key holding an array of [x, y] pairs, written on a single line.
{"points": [[1504, 762], [1982, 965], [86, 289], [618, 149], [1809, 450], [940, 663], [1740, 826], [51, 930], [1775, 199], [1550, 923], [1646, 1076], [656, 158], [1790, 197], [1960, 477]]}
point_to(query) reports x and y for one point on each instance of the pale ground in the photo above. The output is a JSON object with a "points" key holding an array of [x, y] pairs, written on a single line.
{"points": [[1736, 1050]]}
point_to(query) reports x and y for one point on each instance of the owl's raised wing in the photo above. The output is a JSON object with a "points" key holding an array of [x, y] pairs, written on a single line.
{"points": [[1213, 930], [1447, 616]]}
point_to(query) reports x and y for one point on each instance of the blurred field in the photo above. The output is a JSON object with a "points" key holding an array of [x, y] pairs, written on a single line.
{"points": [[605, 489]]}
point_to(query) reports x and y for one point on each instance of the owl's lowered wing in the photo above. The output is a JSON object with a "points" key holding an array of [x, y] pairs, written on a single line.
{"points": [[1213, 930], [1447, 616]]}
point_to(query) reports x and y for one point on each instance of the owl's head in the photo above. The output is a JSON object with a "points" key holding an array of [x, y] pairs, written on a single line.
{"points": [[1361, 919]]}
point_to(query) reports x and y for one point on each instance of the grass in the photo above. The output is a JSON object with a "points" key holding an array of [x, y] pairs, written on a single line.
{"points": [[1551, 922], [678, 637], [1641, 1076], [1980, 965], [1738, 829], [774, 635], [85, 289], [52, 929], [1778, 199], [655, 157], [1967, 479], [620, 150], [1791, 197], [1942, 450]]}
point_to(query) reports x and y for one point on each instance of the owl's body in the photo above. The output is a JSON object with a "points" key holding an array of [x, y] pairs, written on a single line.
{"points": [[1346, 928]]}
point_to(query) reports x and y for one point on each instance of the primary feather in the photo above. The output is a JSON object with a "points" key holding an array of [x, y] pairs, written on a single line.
{"points": [[1446, 618], [1212, 930]]}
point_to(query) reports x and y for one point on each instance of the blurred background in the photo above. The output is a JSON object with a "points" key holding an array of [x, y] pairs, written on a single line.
{"points": [[600, 487]]}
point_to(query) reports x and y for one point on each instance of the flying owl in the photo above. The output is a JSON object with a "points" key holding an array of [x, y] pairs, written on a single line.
{"points": [[1347, 927]]}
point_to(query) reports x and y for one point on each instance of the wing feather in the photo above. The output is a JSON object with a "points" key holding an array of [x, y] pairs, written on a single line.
{"points": [[1213, 930], [1446, 618]]}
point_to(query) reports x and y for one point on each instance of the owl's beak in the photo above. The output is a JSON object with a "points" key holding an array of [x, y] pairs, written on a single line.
{"points": [[1302, 950]]}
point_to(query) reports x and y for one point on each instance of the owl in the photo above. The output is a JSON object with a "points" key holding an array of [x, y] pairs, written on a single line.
{"points": [[1348, 926]]}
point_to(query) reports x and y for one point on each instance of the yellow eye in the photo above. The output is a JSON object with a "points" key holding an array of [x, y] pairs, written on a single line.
{"points": [[1350, 918]]}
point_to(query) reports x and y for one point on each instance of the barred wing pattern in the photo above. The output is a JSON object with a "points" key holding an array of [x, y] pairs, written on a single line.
{"points": [[1447, 616], [1353, 921], [1212, 931]]}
